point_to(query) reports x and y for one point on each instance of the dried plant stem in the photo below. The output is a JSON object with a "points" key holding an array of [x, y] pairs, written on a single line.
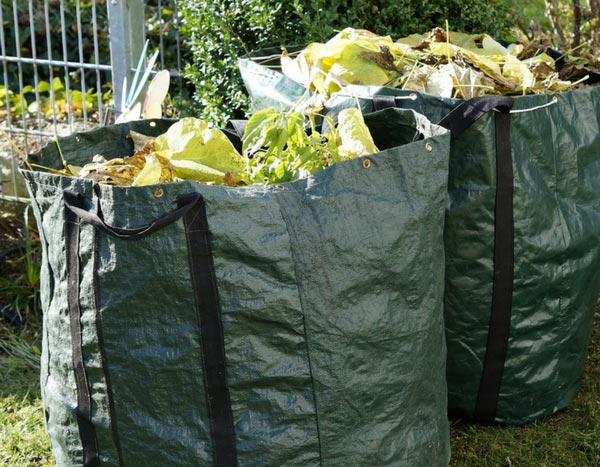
{"points": [[579, 81], [62, 157], [49, 169], [570, 51], [17, 150]]}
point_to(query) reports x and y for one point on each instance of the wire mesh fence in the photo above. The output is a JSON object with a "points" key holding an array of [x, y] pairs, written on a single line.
{"points": [[65, 62]]}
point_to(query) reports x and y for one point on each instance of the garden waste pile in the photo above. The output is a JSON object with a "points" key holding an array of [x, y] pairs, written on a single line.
{"points": [[441, 63], [280, 146], [276, 148]]}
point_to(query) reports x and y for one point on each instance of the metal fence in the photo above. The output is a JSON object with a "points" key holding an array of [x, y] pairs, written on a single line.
{"points": [[64, 64]]}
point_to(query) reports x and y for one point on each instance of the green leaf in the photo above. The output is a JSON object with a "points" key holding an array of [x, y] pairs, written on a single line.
{"points": [[57, 84], [150, 174], [43, 86], [355, 138], [191, 170], [191, 140], [255, 131]]}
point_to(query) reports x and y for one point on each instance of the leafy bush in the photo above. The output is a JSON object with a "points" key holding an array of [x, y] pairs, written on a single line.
{"points": [[219, 31], [574, 27]]}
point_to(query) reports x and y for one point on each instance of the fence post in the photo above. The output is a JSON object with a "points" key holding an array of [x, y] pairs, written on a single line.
{"points": [[127, 35]]}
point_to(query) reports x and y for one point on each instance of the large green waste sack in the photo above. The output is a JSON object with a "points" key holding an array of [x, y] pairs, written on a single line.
{"points": [[290, 325], [522, 242], [522, 245]]}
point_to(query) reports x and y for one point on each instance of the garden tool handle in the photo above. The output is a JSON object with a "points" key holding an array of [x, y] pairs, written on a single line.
{"points": [[74, 202]]}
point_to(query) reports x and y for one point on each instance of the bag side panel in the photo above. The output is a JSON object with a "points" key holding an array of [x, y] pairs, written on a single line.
{"points": [[557, 254], [369, 253], [469, 241], [57, 378], [151, 338], [268, 369]]}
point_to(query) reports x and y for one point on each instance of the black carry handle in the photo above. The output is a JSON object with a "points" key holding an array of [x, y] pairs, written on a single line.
{"points": [[469, 111], [457, 121], [383, 101], [462, 116], [74, 203]]}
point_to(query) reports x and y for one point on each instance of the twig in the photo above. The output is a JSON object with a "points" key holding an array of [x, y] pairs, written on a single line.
{"points": [[17, 150], [579, 81], [570, 51], [62, 158], [48, 169]]}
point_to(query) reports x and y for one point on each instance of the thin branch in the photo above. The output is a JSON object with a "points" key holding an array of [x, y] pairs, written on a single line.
{"points": [[17, 150], [576, 24], [554, 17]]}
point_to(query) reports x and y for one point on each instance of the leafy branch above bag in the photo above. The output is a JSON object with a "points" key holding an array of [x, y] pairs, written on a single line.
{"points": [[276, 148], [442, 63]]}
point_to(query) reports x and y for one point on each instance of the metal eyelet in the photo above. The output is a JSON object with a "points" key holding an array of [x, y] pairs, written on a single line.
{"points": [[366, 163], [159, 192]]}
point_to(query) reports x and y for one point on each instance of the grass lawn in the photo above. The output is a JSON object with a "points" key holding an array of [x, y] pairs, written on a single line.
{"points": [[23, 439], [568, 439]]}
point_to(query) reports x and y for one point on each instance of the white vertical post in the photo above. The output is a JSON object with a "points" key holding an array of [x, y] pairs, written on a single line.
{"points": [[127, 36]]}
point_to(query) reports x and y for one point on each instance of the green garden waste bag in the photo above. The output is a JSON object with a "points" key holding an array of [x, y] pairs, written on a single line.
{"points": [[288, 325], [522, 238], [522, 241]]}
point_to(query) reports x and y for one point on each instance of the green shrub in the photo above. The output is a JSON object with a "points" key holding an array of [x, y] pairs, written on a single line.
{"points": [[219, 31]]}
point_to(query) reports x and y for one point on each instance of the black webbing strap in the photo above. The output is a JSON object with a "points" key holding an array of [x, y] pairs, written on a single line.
{"points": [[383, 101], [208, 309], [469, 111], [457, 121], [87, 432], [73, 203], [499, 330]]}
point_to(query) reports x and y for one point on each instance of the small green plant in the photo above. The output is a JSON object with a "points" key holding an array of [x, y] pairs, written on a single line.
{"points": [[15, 102], [51, 98], [65, 100], [26, 349]]}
